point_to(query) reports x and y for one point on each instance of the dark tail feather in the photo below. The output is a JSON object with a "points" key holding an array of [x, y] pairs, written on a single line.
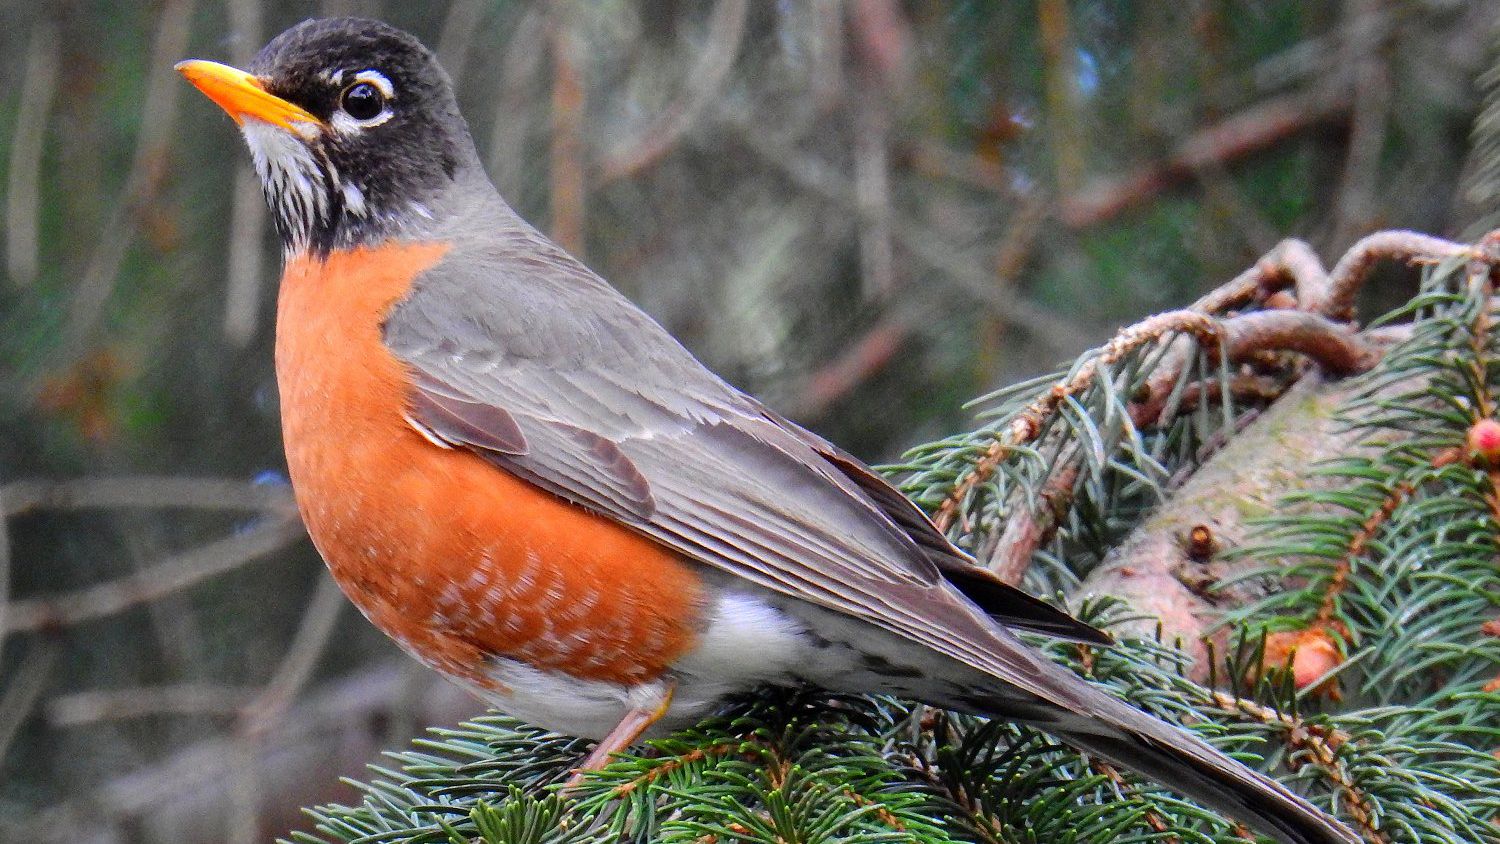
{"points": [[1181, 761]]}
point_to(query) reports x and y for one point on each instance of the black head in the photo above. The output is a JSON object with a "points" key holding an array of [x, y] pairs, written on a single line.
{"points": [[360, 134]]}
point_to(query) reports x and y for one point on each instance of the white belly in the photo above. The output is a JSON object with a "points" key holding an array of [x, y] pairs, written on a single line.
{"points": [[745, 643], [748, 641]]}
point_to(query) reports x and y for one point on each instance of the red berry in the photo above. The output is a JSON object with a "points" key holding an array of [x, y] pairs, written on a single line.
{"points": [[1484, 443]]}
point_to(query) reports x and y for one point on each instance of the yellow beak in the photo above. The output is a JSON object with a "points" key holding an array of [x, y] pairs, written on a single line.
{"points": [[243, 95]]}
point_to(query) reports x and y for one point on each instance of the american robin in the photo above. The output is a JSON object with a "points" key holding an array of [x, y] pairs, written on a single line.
{"points": [[533, 488]]}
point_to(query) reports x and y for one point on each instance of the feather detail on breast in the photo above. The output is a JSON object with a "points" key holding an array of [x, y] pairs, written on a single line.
{"points": [[454, 558]]}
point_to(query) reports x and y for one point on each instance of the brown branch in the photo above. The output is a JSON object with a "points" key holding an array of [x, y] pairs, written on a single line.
{"points": [[1349, 274], [26, 685], [569, 191], [726, 28], [1322, 743], [1333, 346], [1256, 128], [157, 122], [91, 707], [142, 491], [296, 668], [1356, 547], [178, 571], [243, 266], [677, 763], [867, 355], [1027, 425], [1289, 261], [1031, 527], [22, 197]]}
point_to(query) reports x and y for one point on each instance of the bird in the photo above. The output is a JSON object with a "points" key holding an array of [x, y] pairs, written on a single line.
{"points": [[533, 488]]}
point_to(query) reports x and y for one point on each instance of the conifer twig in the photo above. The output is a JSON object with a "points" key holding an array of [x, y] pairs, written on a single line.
{"points": [[1321, 742], [1029, 423]]}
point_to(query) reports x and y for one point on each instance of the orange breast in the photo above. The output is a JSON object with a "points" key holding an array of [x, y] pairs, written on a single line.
{"points": [[452, 557]]}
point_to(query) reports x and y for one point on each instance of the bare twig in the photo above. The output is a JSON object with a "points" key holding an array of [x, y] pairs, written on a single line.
{"points": [[1289, 261], [22, 200], [936, 160], [244, 269], [519, 70], [242, 821], [158, 118], [827, 59], [4, 570], [1349, 274], [865, 356], [142, 491], [726, 28], [247, 211], [96, 705], [1254, 129], [1364, 39], [929, 248], [459, 26], [1031, 527], [176, 572], [1334, 346], [270, 705], [872, 190], [26, 685], [567, 167], [1060, 62], [296, 668], [1321, 743], [882, 38], [185, 797], [1027, 425]]}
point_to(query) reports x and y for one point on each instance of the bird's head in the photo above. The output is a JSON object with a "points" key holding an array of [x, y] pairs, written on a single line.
{"points": [[353, 128]]}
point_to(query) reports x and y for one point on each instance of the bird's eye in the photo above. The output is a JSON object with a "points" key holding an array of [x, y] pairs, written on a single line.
{"points": [[362, 101]]}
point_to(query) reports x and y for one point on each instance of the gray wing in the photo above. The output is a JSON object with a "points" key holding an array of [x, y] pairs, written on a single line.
{"points": [[547, 372]]}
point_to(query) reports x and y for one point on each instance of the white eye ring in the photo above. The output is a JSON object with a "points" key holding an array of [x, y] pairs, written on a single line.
{"points": [[345, 123], [376, 78]]}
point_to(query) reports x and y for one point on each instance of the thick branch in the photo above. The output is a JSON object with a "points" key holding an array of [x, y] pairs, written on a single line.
{"points": [[1168, 566]]}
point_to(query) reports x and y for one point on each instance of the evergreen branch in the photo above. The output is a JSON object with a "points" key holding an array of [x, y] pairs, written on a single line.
{"points": [[1030, 423]]}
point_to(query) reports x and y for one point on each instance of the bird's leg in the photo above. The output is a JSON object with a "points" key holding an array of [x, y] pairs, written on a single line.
{"points": [[635, 722]]}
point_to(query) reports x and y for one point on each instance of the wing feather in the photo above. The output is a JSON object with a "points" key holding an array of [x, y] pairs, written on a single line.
{"points": [[550, 374]]}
